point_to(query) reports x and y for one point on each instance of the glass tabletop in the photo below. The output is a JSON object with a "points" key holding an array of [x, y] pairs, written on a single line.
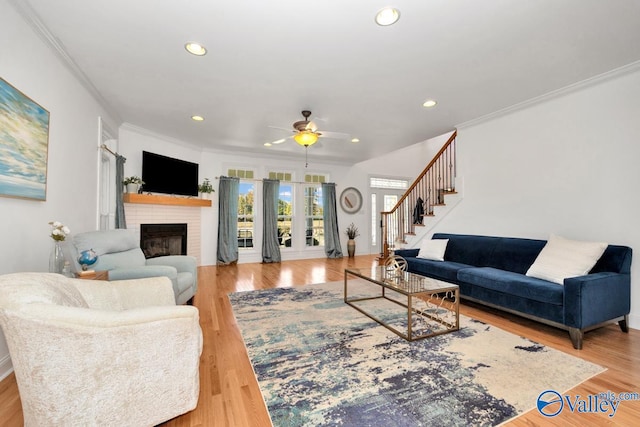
{"points": [[401, 281]]}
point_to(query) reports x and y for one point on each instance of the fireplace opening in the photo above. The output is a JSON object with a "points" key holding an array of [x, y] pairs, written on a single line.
{"points": [[163, 239]]}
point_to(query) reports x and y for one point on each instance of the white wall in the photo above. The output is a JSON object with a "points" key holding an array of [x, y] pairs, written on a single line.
{"points": [[30, 66], [568, 166], [133, 140], [407, 162]]}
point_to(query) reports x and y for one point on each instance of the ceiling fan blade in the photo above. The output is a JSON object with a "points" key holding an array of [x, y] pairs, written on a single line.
{"points": [[312, 126], [280, 141], [334, 135]]}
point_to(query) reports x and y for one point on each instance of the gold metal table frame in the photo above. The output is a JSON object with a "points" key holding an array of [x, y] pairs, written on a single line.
{"points": [[431, 300]]}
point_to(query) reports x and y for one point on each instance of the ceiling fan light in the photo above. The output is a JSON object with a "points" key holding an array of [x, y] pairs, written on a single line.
{"points": [[306, 138]]}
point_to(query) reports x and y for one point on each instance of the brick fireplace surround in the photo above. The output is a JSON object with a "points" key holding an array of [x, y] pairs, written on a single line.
{"points": [[137, 214]]}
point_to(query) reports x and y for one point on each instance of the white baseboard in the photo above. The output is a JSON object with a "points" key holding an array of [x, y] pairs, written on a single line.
{"points": [[6, 367]]}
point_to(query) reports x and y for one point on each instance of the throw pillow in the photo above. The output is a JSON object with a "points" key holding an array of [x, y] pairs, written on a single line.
{"points": [[563, 258], [433, 249]]}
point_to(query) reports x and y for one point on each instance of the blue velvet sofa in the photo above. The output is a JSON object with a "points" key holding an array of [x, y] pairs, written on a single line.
{"points": [[491, 271]]}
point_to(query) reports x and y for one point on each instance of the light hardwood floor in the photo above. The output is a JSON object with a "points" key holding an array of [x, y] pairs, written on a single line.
{"points": [[229, 393]]}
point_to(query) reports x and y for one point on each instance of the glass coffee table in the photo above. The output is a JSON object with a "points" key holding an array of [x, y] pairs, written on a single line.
{"points": [[410, 305]]}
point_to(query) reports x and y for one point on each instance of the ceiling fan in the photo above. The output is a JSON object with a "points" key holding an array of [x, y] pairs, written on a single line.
{"points": [[306, 132]]}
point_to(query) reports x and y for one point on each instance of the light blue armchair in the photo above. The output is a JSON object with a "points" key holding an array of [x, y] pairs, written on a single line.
{"points": [[119, 252]]}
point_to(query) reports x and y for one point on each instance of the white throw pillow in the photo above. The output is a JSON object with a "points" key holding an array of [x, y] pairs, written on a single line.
{"points": [[433, 249], [563, 258]]}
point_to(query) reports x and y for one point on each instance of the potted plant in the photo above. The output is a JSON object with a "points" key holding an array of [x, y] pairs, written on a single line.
{"points": [[205, 188], [352, 233], [133, 183]]}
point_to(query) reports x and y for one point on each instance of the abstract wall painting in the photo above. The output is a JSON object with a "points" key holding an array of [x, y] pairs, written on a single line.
{"points": [[24, 141]]}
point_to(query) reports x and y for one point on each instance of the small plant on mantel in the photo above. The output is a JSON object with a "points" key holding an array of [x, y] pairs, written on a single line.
{"points": [[352, 232], [133, 180], [206, 187]]}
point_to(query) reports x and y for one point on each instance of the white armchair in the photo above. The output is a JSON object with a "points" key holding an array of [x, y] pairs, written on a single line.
{"points": [[89, 352]]}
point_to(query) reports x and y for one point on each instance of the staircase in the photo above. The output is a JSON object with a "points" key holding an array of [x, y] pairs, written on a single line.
{"points": [[431, 196]]}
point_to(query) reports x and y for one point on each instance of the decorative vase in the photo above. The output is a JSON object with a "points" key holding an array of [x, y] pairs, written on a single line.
{"points": [[204, 196], [132, 188], [351, 248], [56, 259]]}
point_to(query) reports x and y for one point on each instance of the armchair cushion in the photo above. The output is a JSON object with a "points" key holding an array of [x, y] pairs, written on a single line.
{"points": [[102, 242], [131, 258]]}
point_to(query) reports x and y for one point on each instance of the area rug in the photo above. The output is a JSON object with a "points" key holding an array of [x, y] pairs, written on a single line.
{"points": [[320, 362]]}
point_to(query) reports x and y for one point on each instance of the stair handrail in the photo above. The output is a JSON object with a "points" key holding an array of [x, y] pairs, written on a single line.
{"points": [[384, 215]]}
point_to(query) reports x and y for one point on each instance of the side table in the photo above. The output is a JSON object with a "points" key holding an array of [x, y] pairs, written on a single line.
{"points": [[96, 275]]}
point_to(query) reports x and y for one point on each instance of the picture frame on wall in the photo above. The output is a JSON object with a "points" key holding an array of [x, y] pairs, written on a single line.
{"points": [[24, 144]]}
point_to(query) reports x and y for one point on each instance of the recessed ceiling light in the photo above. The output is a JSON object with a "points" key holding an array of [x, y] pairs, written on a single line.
{"points": [[280, 141], [267, 144], [355, 140], [429, 103], [195, 49], [197, 118], [387, 16]]}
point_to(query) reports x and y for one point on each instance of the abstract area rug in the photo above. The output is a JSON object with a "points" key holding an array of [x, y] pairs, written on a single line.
{"points": [[319, 362]]}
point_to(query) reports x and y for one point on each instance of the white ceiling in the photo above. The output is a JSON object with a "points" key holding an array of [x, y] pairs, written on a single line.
{"points": [[269, 59]]}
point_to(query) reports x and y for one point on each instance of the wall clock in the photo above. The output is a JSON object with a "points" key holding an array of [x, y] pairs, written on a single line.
{"points": [[351, 200]]}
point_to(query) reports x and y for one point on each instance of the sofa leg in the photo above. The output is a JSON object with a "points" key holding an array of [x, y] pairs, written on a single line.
{"points": [[576, 337], [624, 323]]}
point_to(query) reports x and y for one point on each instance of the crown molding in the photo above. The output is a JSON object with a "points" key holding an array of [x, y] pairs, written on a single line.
{"points": [[592, 81], [30, 16]]}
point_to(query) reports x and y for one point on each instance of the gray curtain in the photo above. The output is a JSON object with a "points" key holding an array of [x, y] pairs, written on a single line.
{"points": [[330, 216], [121, 221], [228, 192], [270, 243]]}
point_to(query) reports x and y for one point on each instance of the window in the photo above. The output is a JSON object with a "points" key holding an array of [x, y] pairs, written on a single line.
{"points": [[313, 215], [285, 214], [245, 214], [315, 178], [281, 176], [240, 173], [285, 207], [246, 202], [389, 183]]}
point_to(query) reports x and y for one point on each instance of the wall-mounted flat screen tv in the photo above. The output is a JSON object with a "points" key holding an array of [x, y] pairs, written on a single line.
{"points": [[162, 174]]}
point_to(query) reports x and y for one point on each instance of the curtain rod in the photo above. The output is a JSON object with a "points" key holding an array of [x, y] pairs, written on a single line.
{"points": [[288, 182], [104, 147]]}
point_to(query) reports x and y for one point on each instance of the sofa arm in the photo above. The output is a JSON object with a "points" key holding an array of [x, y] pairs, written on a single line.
{"points": [[182, 263], [595, 298]]}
